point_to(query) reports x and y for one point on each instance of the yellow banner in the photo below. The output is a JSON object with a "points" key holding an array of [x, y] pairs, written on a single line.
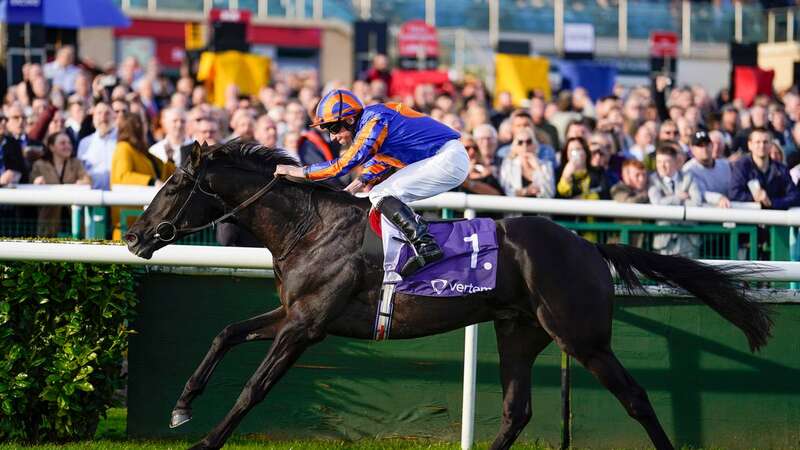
{"points": [[194, 35], [520, 75], [219, 70]]}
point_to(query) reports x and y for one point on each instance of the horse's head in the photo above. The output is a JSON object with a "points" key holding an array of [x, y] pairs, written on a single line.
{"points": [[185, 201]]}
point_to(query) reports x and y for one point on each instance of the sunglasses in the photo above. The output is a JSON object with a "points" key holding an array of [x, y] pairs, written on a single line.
{"points": [[525, 142], [471, 147], [333, 128]]}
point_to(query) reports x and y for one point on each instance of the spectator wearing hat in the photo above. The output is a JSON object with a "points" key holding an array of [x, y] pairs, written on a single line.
{"points": [[756, 177], [713, 175]]}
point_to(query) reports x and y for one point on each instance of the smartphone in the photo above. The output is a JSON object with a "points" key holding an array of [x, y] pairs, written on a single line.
{"points": [[754, 186]]}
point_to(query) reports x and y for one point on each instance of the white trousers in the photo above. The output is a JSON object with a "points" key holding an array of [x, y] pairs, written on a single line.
{"points": [[423, 179]]}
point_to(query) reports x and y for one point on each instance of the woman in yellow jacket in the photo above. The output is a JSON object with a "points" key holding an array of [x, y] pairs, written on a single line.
{"points": [[579, 179], [132, 164]]}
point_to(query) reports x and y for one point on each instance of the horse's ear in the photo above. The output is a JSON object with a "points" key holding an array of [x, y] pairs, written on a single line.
{"points": [[194, 154]]}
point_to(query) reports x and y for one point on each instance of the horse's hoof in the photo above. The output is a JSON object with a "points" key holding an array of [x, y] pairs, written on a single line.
{"points": [[180, 417]]}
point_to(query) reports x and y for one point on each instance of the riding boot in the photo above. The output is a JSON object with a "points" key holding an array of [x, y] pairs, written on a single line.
{"points": [[415, 229]]}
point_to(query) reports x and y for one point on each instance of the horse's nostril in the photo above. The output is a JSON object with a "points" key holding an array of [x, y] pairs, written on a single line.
{"points": [[131, 238]]}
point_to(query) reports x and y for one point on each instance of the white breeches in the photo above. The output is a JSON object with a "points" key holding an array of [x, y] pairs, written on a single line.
{"points": [[423, 179]]}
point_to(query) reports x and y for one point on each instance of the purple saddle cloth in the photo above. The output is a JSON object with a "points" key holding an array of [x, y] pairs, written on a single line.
{"points": [[469, 264]]}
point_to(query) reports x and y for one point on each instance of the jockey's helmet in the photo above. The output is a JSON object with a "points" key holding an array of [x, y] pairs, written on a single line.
{"points": [[337, 105]]}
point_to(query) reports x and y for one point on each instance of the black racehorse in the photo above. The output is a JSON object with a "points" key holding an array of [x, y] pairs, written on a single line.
{"points": [[551, 285]]}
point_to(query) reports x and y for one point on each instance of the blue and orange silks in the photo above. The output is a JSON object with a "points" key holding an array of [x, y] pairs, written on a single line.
{"points": [[387, 135]]}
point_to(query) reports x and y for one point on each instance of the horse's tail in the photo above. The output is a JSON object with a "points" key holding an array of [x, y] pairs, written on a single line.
{"points": [[717, 286]]}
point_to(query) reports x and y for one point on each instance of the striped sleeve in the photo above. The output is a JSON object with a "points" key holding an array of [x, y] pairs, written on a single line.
{"points": [[373, 170], [367, 143]]}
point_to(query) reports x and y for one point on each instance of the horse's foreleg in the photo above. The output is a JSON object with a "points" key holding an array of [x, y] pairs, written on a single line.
{"points": [[261, 327], [292, 339], [518, 344]]}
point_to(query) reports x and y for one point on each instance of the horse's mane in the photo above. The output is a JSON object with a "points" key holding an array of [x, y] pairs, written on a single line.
{"points": [[253, 154], [262, 159]]}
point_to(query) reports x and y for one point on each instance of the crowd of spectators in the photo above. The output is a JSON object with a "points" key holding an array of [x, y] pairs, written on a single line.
{"points": [[658, 144]]}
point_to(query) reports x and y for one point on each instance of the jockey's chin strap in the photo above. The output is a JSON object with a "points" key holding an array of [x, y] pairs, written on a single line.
{"points": [[166, 231]]}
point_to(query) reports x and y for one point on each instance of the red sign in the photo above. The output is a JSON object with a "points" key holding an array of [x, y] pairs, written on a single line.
{"points": [[229, 15], [664, 44], [417, 36]]}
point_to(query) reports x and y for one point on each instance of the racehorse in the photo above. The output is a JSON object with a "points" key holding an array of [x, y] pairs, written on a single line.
{"points": [[552, 285]]}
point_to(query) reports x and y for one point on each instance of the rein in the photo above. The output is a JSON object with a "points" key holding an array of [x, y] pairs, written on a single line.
{"points": [[172, 231]]}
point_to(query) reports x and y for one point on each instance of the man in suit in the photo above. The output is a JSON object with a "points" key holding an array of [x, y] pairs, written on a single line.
{"points": [[668, 186]]}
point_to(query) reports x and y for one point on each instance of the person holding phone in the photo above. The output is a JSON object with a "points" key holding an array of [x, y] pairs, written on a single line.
{"points": [[578, 179], [758, 178], [523, 173]]}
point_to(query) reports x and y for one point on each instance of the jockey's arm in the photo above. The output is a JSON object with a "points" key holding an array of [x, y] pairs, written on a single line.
{"points": [[367, 142]]}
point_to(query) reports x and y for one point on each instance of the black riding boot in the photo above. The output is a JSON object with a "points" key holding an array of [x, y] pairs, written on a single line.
{"points": [[415, 229]]}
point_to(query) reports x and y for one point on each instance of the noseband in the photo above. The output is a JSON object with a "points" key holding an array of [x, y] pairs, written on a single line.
{"points": [[166, 231]]}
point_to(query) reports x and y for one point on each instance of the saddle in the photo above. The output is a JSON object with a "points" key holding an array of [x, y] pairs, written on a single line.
{"points": [[469, 264]]}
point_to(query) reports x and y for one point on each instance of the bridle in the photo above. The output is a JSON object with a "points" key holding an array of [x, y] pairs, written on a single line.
{"points": [[166, 231]]}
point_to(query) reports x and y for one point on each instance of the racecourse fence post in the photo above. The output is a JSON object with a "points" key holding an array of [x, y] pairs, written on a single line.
{"points": [[566, 409], [470, 367], [75, 222]]}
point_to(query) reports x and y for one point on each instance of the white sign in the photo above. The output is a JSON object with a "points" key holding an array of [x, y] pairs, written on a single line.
{"points": [[25, 3], [578, 38]]}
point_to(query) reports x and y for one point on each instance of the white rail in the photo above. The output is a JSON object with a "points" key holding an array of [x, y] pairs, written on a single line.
{"points": [[260, 258], [251, 262], [745, 213]]}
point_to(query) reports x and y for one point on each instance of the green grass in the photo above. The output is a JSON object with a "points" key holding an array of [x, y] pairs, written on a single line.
{"points": [[111, 436]]}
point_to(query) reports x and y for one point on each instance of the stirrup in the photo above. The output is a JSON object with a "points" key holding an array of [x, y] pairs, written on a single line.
{"points": [[418, 261]]}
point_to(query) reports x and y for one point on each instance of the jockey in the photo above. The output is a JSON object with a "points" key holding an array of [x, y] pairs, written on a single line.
{"points": [[428, 157]]}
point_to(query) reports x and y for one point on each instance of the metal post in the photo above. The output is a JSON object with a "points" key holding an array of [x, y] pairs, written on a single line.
{"points": [[738, 16], [430, 12], [366, 9], [566, 407], [470, 368], [233, 4], [151, 6], [558, 26], [300, 9], [790, 25], [686, 27], [126, 5], [623, 26], [494, 23], [459, 50], [771, 26], [88, 223], [208, 5], [75, 223], [317, 10]]}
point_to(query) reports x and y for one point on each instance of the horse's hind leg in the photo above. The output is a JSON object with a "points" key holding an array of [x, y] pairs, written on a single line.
{"points": [[518, 343], [610, 372], [261, 327]]}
